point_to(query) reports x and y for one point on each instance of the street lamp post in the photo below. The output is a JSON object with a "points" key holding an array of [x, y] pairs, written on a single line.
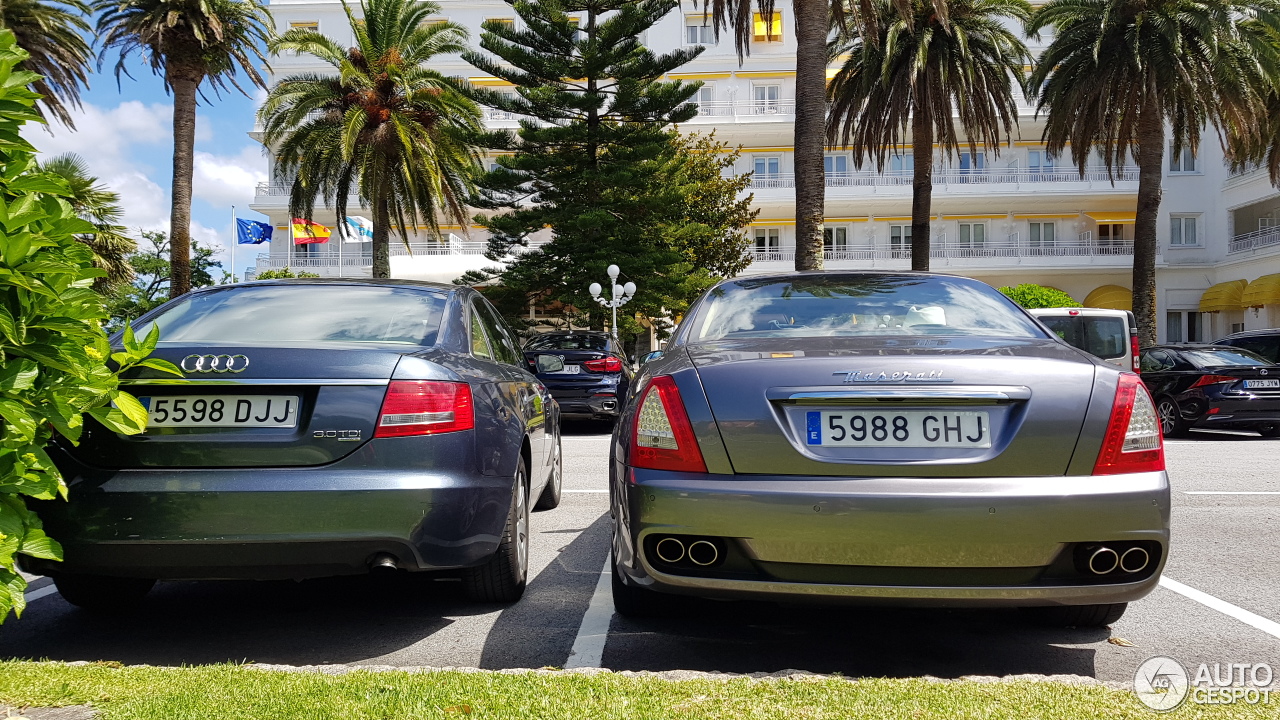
{"points": [[621, 295]]}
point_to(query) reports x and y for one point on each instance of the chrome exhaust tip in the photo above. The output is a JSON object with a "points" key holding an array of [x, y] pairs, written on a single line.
{"points": [[384, 561], [1134, 560], [1103, 560], [669, 550], [703, 553]]}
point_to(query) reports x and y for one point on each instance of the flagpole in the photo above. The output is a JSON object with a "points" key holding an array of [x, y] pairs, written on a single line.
{"points": [[289, 255], [342, 240], [235, 240]]}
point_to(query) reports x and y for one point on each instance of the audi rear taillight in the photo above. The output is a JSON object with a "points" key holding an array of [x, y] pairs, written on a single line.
{"points": [[1133, 348], [1132, 443], [609, 364], [1212, 380], [662, 436], [425, 407]]}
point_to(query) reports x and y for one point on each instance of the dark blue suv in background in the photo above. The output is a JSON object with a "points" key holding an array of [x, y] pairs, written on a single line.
{"points": [[586, 372]]}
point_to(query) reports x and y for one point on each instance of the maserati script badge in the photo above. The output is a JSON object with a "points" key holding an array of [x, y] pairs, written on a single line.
{"points": [[858, 376]]}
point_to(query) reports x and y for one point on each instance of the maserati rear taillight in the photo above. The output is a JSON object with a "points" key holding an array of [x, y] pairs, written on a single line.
{"points": [[609, 364], [662, 437], [1132, 442], [425, 407]]}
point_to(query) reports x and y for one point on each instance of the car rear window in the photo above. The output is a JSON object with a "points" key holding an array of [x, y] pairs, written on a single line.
{"points": [[304, 314], [858, 305], [567, 342], [1224, 356]]}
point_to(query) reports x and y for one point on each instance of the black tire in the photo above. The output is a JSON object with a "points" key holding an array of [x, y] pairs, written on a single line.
{"points": [[1076, 615], [636, 602], [1171, 423], [502, 578], [103, 594], [1269, 430], [550, 497]]}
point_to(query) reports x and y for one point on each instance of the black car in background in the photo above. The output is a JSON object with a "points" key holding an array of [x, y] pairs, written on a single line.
{"points": [[1265, 343], [586, 372], [1212, 386]]}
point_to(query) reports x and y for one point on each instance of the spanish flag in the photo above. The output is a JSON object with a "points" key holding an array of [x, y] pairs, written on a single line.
{"points": [[306, 232]]}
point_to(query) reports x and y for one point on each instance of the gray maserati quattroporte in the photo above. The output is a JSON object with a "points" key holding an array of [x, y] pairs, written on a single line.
{"points": [[322, 428], [885, 438]]}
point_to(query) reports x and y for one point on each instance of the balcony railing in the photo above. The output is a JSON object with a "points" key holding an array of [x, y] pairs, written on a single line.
{"points": [[1011, 176], [955, 250], [1266, 237], [758, 109]]}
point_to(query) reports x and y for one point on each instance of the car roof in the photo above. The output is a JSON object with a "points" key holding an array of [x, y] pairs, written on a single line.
{"points": [[1105, 312], [1251, 333], [368, 282], [575, 333], [1184, 346]]}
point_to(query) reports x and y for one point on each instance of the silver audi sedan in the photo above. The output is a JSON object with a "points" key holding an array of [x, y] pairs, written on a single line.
{"points": [[891, 438]]}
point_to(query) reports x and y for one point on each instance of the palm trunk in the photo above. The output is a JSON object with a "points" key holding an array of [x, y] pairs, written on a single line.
{"points": [[810, 129], [184, 87], [921, 186], [381, 239], [1150, 168]]}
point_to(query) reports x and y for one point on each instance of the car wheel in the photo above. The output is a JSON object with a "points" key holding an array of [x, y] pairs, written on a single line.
{"points": [[1269, 430], [636, 602], [100, 593], [550, 498], [1171, 422], [1076, 615], [503, 577]]}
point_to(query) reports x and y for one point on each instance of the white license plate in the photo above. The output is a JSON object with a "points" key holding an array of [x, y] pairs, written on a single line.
{"points": [[1262, 383], [222, 410], [568, 370], [898, 428]]}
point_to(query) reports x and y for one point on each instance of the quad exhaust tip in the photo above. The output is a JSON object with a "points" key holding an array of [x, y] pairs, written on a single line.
{"points": [[1103, 560], [671, 550], [1134, 560], [703, 553]]}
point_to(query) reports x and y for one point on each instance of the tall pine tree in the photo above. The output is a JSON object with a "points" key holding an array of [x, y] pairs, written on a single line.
{"points": [[595, 160]]}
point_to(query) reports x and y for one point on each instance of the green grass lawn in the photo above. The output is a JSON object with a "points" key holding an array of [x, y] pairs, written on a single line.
{"points": [[243, 693]]}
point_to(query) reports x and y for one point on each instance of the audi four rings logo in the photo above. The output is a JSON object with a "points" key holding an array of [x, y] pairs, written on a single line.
{"points": [[214, 363]]}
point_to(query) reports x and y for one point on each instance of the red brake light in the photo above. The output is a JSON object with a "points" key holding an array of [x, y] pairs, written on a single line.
{"points": [[1212, 380], [609, 364], [425, 407], [661, 434], [1133, 348], [1133, 442]]}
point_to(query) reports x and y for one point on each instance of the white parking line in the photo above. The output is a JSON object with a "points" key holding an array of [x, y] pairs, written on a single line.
{"points": [[588, 646], [1228, 492], [38, 593], [1269, 627], [605, 491]]}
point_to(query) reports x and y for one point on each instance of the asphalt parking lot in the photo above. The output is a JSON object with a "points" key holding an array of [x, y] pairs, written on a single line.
{"points": [[1226, 520]]}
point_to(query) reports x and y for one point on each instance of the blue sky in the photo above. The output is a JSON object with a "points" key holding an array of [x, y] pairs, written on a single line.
{"points": [[125, 135]]}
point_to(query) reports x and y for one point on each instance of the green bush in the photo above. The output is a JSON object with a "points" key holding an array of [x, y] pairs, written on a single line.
{"points": [[1032, 296], [282, 274], [54, 354]]}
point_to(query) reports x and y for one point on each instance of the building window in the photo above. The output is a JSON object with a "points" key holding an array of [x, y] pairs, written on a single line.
{"points": [[1237, 327], [706, 95], [767, 32], [766, 240], [1110, 234], [900, 240], [835, 239], [1042, 234], [766, 98], [767, 166], [836, 164], [698, 31], [904, 164], [1182, 230], [1181, 326], [973, 162], [1039, 163], [973, 234], [1183, 162]]}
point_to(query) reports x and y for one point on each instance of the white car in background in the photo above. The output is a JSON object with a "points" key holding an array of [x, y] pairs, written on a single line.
{"points": [[1111, 335]]}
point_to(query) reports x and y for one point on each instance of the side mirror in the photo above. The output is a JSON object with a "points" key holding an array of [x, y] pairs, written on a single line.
{"points": [[651, 356], [550, 363]]}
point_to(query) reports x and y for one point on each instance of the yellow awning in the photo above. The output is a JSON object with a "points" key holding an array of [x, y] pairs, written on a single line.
{"points": [[764, 33], [1112, 217], [1110, 297], [1223, 296], [1263, 291]]}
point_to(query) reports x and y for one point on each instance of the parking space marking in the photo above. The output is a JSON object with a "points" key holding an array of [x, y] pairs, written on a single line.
{"points": [[606, 490], [1269, 627], [1230, 492], [588, 646], [38, 593]]}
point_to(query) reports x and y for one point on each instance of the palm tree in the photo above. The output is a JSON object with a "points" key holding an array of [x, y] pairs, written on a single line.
{"points": [[1118, 71], [383, 123], [187, 42], [100, 206], [813, 23], [915, 73], [53, 34]]}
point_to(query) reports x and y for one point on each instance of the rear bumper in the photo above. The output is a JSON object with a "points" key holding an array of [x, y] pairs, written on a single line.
{"points": [[1237, 410], [931, 537], [275, 522]]}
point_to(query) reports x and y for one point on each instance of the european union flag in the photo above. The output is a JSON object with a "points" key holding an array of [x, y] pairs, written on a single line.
{"points": [[250, 232]]}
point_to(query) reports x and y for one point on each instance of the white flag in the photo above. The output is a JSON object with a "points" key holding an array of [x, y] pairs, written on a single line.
{"points": [[359, 229]]}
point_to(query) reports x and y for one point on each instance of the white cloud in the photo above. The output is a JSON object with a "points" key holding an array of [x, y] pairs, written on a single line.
{"points": [[226, 180]]}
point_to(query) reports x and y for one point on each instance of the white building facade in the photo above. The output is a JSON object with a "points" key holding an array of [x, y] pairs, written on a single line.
{"points": [[1006, 218]]}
